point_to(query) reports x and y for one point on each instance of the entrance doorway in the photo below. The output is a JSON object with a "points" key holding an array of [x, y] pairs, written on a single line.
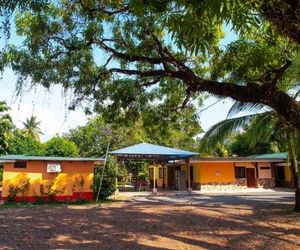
{"points": [[279, 176], [250, 177], [171, 177]]}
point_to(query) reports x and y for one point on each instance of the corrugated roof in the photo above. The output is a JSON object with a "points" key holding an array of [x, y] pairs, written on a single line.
{"points": [[148, 150], [282, 155], [6, 158], [236, 159]]}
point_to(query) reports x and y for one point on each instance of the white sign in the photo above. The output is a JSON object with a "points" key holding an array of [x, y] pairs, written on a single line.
{"points": [[53, 168]]}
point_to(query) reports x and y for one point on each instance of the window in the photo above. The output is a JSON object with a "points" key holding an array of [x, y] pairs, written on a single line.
{"points": [[160, 173], [265, 168], [20, 164], [240, 172]]}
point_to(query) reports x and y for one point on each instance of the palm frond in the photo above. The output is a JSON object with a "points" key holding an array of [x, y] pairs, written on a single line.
{"points": [[238, 107], [222, 130], [262, 128]]}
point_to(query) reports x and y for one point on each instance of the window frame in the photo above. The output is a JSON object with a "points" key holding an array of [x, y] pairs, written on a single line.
{"points": [[238, 174], [20, 164]]}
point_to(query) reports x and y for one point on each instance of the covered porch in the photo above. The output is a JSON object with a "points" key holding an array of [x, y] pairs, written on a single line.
{"points": [[164, 172]]}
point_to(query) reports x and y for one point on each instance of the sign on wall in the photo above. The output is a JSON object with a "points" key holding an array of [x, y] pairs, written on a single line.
{"points": [[53, 168]]}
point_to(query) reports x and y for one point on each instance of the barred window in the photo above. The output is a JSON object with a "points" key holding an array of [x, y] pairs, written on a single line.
{"points": [[240, 172]]}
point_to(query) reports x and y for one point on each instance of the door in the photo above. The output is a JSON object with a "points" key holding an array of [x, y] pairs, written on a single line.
{"points": [[279, 176], [250, 177], [181, 180], [170, 177]]}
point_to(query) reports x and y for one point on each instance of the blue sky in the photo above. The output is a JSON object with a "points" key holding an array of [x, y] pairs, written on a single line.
{"points": [[50, 107]]}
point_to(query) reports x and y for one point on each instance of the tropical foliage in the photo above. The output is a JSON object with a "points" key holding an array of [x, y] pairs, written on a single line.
{"points": [[58, 146], [6, 126], [92, 139], [20, 143], [32, 128]]}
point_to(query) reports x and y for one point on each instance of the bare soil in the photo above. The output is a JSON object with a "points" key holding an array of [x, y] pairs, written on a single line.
{"points": [[153, 224]]}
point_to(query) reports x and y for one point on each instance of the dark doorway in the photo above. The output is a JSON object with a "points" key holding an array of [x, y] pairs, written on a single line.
{"points": [[171, 177], [250, 177], [279, 176]]}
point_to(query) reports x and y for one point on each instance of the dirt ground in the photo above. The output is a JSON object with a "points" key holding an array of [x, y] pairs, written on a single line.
{"points": [[200, 222]]}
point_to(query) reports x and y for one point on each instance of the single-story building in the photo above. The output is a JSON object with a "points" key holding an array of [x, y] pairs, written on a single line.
{"points": [[30, 178], [225, 173], [176, 169]]}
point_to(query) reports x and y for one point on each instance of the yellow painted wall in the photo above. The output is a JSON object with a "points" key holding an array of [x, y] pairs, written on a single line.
{"points": [[197, 172], [288, 173], [209, 172], [159, 181], [65, 182]]}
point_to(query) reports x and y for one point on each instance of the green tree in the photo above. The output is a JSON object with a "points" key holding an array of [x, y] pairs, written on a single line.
{"points": [[58, 146], [92, 139], [32, 127], [240, 146], [5, 127], [20, 144], [166, 53]]}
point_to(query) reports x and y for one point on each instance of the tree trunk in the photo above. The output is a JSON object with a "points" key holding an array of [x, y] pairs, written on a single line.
{"points": [[295, 169]]}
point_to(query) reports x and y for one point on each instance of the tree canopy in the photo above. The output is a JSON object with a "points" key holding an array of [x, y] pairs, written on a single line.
{"points": [[22, 144], [123, 56], [58, 146], [92, 139]]}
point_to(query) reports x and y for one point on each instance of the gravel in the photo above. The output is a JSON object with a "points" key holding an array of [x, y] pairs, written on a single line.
{"points": [[246, 221]]}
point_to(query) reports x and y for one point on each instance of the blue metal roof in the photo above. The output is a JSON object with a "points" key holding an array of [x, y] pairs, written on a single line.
{"points": [[152, 151]]}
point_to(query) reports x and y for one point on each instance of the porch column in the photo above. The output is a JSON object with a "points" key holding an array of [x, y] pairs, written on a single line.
{"points": [[154, 190], [163, 169], [116, 181], [189, 189]]}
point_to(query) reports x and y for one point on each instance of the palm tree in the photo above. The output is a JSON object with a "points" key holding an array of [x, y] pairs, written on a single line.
{"points": [[260, 127], [32, 127]]}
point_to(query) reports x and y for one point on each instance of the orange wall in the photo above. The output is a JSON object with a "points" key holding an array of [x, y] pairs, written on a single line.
{"points": [[217, 172], [36, 171]]}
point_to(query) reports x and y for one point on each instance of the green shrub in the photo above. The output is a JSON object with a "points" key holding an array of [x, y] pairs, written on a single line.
{"points": [[22, 188], [12, 193]]}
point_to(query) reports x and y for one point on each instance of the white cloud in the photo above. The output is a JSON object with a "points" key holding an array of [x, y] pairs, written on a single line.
{"points": [[49, 107]]}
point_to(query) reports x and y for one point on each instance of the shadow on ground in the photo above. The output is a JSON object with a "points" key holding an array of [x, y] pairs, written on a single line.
{"points": [[190, 222]]}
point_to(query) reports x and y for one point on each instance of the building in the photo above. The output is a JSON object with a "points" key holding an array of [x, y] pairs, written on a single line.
{"points": [[32, 178], [176, 169], [265, 171]]}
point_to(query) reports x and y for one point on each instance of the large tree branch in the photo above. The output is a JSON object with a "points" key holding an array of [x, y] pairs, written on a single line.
{"points": [[281, 102], [128, 57], [150, 73]]}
